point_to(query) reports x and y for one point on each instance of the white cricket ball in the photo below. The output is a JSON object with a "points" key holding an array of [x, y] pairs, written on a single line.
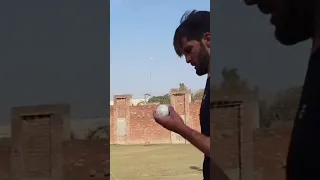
{"points": [[162, 110]]}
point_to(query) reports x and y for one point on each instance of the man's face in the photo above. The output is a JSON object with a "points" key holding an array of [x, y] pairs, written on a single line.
{"points": [[293, 19], [197, 54]]}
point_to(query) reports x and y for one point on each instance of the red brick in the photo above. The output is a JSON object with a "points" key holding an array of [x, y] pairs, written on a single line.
{"points": [[142, 129], [39, 149]]}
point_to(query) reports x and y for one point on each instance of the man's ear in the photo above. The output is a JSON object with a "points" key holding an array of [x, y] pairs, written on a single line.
{"points": [[206, 39]]}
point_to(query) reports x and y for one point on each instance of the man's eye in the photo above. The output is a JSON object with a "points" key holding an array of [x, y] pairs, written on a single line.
{"points": [[188, 51]]}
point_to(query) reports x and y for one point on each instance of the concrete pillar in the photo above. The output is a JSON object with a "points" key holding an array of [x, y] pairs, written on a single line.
{"points": [[249, 122], [180, 101], [122, 104], [39, 130]]}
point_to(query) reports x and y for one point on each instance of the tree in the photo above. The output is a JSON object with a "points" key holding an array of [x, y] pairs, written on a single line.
{"points": [[98, 132], [165, 99], [197, 95], [284, 107], [183, 87], [232, 83], [160, 99]]}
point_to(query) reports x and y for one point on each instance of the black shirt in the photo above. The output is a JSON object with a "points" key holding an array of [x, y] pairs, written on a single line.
{"points": [[205, 125], [303, 161]]}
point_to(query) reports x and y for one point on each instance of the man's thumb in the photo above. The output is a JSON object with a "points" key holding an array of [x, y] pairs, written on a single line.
{"points": [[171, 111]]}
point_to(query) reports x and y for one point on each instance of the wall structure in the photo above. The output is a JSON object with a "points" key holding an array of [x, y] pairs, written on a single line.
{"points": [[240, 147], [270, 152], [135, 124], [5, 159], [40, 148], [245, 151]]}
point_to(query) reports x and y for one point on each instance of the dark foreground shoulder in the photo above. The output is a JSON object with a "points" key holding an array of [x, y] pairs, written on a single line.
{"points": [[303, 156]]}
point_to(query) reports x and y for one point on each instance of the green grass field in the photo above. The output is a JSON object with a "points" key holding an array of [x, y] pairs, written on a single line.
{"points": [[156, 162]]}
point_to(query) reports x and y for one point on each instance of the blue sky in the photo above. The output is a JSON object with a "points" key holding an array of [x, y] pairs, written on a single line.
{"points": [[142, 56]]}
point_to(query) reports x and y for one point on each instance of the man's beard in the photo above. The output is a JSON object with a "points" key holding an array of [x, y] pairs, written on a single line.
{"points": [[293, 35], [204, 61]]}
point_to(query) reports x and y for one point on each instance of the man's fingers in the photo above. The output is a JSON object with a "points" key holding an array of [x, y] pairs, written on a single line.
{"points": [[155, 116], [171, 110], [162, 119]]}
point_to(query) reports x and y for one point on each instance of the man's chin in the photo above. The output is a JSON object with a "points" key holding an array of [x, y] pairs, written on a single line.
{"points": [[201, 73], [289, 38], [287, 41]]}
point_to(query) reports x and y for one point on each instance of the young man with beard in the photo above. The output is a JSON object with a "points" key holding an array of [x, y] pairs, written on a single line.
{"points": [[192, 40], [296, 21]]}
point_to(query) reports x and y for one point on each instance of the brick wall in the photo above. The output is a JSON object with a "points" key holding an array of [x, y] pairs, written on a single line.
{"points": [[239, 146], [139, 126], [86, 159], [5, 159], [244, 151], [143, 129], [40, 148], [270, 152], [225, 138], [112, 125]]}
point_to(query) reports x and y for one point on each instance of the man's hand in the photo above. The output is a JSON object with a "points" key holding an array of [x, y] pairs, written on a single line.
{"points": [[172, 122]]}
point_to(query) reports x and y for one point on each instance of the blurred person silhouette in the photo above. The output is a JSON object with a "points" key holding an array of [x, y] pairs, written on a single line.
{"points": [[296, 21]]}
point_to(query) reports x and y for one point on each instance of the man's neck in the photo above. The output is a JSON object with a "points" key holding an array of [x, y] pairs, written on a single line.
{"points": [[316, 36]]}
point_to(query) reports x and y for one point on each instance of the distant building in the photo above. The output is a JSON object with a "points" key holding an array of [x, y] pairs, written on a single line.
{"points": [[134, 102]]}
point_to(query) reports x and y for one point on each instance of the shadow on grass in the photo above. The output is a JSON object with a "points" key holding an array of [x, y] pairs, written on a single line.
{"points": [[196, 168]]}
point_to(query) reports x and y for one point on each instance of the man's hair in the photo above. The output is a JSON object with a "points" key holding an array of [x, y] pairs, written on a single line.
{"points": [[193, 25]]}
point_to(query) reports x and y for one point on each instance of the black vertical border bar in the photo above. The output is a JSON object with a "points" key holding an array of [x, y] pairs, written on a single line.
{"points": [[108, 76], [103, 46], [211, 81]]}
